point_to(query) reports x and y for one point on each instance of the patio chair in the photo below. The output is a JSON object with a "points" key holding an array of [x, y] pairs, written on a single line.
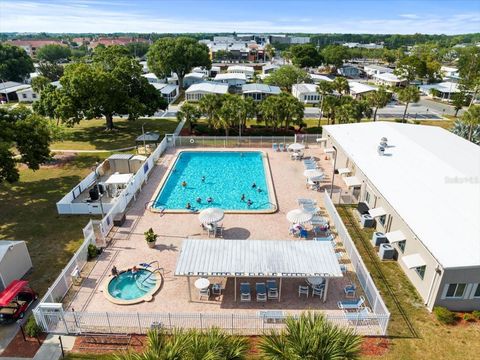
{"points": [[303, 290], [364, 315], [275, 147], [204, 293], [350, 291], [281, 147], [343, 267], [318, 290], [272, 289], [217, 289], [355, 304], [219, 230], [261, 290], [245, 295]]}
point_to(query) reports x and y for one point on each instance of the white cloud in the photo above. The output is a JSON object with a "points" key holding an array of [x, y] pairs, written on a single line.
{"points": [[88, 16]]}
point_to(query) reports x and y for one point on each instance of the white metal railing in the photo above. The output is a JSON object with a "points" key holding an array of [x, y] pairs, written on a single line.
{"points": [[364, 278], [232, 141]]}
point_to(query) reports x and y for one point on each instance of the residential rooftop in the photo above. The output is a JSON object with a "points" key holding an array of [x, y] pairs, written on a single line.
{"points": [[263, 88], [208, 86]]}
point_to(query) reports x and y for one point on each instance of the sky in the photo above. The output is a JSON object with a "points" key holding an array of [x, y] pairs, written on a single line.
{"points": [[242, 16]]}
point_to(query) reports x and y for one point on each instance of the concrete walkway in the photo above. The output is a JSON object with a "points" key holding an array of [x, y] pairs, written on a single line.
{"points": [[50, 349]]}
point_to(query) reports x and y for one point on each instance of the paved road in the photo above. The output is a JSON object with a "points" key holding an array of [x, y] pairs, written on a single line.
{"points": [[440, 108]]}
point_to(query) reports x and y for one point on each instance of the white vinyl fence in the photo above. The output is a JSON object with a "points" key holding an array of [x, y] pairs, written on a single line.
{"points": [[244, 141], [364, 278]]}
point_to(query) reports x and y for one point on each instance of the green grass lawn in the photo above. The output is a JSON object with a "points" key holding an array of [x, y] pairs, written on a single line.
{"points": [[29, 213], [413, 331], [91, 134]]}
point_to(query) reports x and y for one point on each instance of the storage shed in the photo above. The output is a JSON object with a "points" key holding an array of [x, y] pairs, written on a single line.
{"points": [[15, 261]]}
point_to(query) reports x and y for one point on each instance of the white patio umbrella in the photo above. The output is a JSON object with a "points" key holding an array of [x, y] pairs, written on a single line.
{"points": [[299, 216], [313, 173], [211, 215], [296, 147]]}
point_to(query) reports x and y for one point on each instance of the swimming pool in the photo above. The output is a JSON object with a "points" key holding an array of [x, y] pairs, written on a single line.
{"points": [[222, 176], [128, 288]]}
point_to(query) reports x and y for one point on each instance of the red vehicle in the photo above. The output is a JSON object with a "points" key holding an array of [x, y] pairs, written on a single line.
{"points": [[15, 300]]}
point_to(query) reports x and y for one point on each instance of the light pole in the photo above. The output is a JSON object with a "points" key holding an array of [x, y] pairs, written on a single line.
{"points": [[333, 150]]}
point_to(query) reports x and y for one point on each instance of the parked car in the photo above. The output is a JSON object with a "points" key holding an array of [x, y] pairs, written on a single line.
{"points": [[15, 300]]}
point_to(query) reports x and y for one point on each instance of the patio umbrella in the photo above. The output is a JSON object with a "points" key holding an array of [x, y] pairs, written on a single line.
{"points": [[210, 215], [313, 173], [299, 216], [296, 147]]}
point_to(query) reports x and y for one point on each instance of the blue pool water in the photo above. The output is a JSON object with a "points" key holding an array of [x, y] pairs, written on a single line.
{"points": [[228, 175], [128, 287]]}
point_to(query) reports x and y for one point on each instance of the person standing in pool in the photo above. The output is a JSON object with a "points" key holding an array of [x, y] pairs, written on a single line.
{"points": [[249, 202], [254, 186], [188, 206], [134, 271], [114, 271], [243, 197], [199, 200], [209, 200], [184, 184], [203, 179]]}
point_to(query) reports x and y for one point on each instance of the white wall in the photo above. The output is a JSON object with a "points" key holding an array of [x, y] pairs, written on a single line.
{"points": [[15, 264]]}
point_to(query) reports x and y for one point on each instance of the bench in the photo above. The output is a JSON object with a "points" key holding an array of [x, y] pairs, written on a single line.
{"points": [[120, 341]]}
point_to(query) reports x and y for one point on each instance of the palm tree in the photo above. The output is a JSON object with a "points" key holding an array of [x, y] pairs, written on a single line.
{"points": [[311, 336], [249, 110], [471, 118], [329, 105], [209, 105], [408, 95], [324, 88], [190, 113], [268, 109], [340, 84], [378, 99], [289, 109], [230, 114], [463, 130]]}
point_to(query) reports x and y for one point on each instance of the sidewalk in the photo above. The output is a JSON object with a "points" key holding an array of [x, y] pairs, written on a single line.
{"points": [[50, 349]]}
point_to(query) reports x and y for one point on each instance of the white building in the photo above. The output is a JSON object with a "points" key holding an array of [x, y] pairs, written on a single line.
{"points": [[27, 95], [15, 261], [259, 92], [193, 78], [269, 68], [450, 73], [168, 91], [316, 78], [306, 93], [248, 71], [152, 78], [358, 89], [232, 79], [389, 79], [424, 194], [373, 69], [443, 90], [197, 91]]}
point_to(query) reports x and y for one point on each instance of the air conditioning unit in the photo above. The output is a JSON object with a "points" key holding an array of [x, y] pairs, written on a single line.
{"points": [[386, 252], [378, 238], [367, 221]]}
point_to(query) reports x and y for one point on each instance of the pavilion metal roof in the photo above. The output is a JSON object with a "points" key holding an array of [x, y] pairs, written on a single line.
{"points": [[257, 258]]}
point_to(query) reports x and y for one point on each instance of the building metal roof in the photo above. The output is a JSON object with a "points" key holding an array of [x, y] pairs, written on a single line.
{"points": [[430, 177], [148, 136], [359, 88], [257, 258], [9, 86], [208, 87], [230, 76], [120, 157], [247, 69], [306, 88], [390, 77], [261, 88]]}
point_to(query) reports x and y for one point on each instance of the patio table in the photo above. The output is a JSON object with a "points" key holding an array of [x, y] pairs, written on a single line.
{"points": [[202, 283], [315, 281]]}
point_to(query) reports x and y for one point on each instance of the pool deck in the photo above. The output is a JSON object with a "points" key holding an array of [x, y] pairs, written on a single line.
{"points": [[128, 246]]}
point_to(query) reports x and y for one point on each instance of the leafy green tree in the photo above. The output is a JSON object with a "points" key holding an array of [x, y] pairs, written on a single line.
{"points": [[378, 99], [190, 113], [335, 55], [459, 100], [53, 53], [51, 71], [111, 84], [39, 83], [25, 133], [340, 84], [462, 129], [469, 70], [305, 55], [286, 76], [15, 64], [209, 105], [329, 105], [231, 113], [268, 112], [282, 110], [179, 55], [324, 88], [269, 51], [471, 118], [410, 68], [311, 336], [138, 49], [249, 110], [408, 95]]}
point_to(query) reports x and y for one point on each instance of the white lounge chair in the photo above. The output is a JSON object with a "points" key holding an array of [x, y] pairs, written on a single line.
{"points": [[355, 304], [204, 293]]}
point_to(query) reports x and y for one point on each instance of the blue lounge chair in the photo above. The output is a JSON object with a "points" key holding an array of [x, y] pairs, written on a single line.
{"points": [[245, 294], [275, 147], [261, 290], [272, 289], [303, 234], [355, 304], [281, 147], [362, 316]]}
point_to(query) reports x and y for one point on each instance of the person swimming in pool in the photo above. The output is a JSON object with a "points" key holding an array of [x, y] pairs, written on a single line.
{"points": [[254, 186], [203, 178], [188, 206], [209, 200], [249, 202], [199, 200], [243, 197], [134, 271], [184, 184], [259, 190]]}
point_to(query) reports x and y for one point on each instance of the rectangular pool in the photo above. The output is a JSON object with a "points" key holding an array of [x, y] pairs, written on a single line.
{"points": [[222, 176]]}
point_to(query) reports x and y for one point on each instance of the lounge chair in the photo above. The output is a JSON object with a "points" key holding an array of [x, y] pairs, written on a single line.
{"points": [[281, 147], [306, 202], [364, 315], [350, 291], [324, 238], [204, 293], [303, 290], [275, 147], [272, 289], [355, 304], [245, 294], [261, 290]]}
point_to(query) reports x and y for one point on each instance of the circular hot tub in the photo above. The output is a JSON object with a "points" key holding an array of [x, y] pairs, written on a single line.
{"points": [[128, 288]]}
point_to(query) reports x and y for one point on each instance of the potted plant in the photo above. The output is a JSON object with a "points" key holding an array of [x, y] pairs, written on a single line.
{"points": [[150, 238]]}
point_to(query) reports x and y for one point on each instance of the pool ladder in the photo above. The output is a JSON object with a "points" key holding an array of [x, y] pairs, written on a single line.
{"points": [[157, 269]]}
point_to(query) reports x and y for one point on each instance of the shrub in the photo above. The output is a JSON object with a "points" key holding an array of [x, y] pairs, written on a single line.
{"points": [[92, 251], [468, 317], [444, 315], [31, 328], [476, 314]]}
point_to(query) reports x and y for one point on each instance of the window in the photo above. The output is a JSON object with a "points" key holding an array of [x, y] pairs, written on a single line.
{"points": [[367, 197], [382, 219], [34, 95], [455, 290], [24, 96], [421, 271], [401, 245], [476, 294]]}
